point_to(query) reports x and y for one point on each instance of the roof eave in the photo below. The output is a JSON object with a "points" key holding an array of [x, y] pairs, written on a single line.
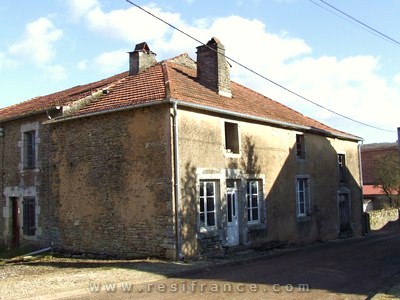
{"points": [[268, 121]]}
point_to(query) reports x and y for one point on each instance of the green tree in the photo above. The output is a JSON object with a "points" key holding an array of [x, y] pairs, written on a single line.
{"points": [[388, 176]]}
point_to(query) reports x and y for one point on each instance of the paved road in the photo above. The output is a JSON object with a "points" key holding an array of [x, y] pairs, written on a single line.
{"points": [[352, 269]]}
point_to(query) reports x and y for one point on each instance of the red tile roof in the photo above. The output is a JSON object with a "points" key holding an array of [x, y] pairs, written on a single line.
{"points": [[173, 79], [371, 190], [65, 97]]}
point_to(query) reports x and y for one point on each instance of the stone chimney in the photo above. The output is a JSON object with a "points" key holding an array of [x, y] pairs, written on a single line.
{"points": [[212, 67], [141, 58]]}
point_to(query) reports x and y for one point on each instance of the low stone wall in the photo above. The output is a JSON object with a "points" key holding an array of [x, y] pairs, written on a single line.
{"points": [[384, 219]]}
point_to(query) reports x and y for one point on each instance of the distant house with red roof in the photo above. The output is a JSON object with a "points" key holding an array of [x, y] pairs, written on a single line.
{"points": [[172, 159], [374, 196]]}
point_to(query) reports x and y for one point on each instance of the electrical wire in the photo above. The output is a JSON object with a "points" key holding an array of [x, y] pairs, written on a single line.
{"points": [[255, 72], [351, 21], [369, 28]]}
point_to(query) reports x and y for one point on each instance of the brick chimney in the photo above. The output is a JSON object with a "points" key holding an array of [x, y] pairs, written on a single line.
{"points": [[141, 58], [212, 67]]}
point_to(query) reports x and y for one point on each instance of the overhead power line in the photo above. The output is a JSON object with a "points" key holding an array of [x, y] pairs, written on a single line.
{"points": [[255, 72], [355, 21]]}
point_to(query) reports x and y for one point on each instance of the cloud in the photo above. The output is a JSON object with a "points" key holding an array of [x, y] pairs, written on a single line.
{"points": [[5, 62], [129, 25], [79, 8], [55, 72], [112, 62], [37, 43], [82, 65], [352, 86]]}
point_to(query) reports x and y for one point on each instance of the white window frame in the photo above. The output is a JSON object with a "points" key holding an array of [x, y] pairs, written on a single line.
{"points": [[203, 190], [303, 192], [250, 219]]}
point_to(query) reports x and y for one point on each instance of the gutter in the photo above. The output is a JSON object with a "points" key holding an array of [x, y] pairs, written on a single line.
{"points": [[214, 110], [269, 121], [103, 112]]}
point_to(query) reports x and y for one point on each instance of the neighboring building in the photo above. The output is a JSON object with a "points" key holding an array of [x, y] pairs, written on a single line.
{"points": [[374, 197], [173, 159]]}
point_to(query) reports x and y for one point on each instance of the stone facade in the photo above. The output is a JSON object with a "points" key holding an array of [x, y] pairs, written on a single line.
{"points": [[267, 154], [20, 182], [111, 184]]}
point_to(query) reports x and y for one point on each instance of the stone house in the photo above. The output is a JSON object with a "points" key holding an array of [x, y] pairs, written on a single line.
{"points": [[374, 197], [172, 159]]}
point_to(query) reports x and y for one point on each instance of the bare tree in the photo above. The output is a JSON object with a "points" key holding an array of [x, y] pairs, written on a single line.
{"points": [[388, 176]]}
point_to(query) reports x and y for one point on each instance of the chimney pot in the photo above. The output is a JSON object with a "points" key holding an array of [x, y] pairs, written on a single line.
{"points": [[141, 58]]}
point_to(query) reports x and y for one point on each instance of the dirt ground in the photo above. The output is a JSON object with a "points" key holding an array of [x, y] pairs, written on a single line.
{"points": [[55, 278]]}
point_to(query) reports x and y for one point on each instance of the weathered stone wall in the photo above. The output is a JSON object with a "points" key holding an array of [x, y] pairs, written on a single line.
{"points": [[17, 182], [268, 154], [112, 183], [384, 219]]}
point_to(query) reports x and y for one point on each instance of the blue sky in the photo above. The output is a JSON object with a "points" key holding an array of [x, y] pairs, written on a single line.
{"points": [[47, 46]]}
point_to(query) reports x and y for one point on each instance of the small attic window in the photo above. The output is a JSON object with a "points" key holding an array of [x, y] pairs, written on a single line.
{"points": [[231, 137]]}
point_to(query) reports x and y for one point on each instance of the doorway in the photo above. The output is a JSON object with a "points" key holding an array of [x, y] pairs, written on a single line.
{"points": [[15, 223], [232, 213]]}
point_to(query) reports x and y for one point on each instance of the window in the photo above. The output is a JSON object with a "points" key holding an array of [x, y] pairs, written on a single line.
{"points": [[303, 197], [207, 204], [29, 150], [300, 146], [231, 137], [253, 202], [29, 217], [342, 167]]}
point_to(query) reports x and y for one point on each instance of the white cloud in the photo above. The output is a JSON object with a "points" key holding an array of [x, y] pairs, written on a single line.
{"points": [[37, 43], [6, 62], [112, 62], [55, 72], [130, 25], [82, 65], [352, 86], [79, 8]]}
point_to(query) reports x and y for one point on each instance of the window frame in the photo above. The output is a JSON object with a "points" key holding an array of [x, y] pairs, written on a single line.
{"points": [[250, 208], [29, 149], [300, 146], [342, 171], [29, 216], [305, 195], [231, 131], [203, 197]]}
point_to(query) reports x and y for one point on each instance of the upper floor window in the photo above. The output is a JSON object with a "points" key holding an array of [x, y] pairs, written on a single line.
{"points": [[207, 212], [342, 167], [300, 146], [232, 137], [303, 197], [253, 202], [29, 149]]}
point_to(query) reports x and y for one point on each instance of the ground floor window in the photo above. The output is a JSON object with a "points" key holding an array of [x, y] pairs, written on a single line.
{"points": [[29, 216], [303, 196], [207, 211], [253, 201]]}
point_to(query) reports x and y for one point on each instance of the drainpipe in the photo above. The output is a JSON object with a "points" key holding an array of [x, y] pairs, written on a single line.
{"points": [[177, 186], [3, 145], [363, 217]]}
